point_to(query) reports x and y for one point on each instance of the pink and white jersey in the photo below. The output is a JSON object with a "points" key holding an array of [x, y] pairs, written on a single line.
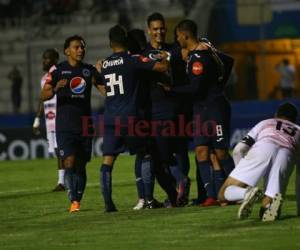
{"points": [[278, 131], [49, 106]]}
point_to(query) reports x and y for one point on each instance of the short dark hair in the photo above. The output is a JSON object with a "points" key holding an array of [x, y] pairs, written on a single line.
{"points": [[156, 16], [71, 39], [118, 34], [52, 53], [136, 40], [188, 26], [288, 110]]}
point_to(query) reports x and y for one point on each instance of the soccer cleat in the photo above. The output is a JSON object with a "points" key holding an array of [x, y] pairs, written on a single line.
{"points": [[251, 196], [75, 207], [140, 205], [183, 191], [273, 211], [60, 187], [110, 208], [153, 204], [210, 202]]}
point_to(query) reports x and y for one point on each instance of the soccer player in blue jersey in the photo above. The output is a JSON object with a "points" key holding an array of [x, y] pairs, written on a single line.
{"points": [[120, 78], [164, 107], [208, 73], [71, 81]]}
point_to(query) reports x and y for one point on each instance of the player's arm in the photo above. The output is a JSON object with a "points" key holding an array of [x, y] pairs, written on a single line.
{"points": [[97, 80], [161, 66], [242, 148], [49, 90], [36, 122], [101, 89]]}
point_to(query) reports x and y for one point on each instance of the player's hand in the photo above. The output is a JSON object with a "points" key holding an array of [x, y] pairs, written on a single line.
{"points": [[36, 126], [165, 55], [98, 65], [165, 86], [60, 84], [202, 46]]}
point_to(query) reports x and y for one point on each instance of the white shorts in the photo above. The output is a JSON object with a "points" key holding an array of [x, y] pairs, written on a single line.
{"points": [[51, 138], [277, 179], [256, 163]]}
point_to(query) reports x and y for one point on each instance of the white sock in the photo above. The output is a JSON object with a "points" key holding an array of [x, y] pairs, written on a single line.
{"points": [[234, 193], [61, 175]]}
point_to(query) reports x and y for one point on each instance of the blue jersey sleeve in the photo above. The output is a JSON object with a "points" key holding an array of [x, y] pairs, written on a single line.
{"points": [[97, 78], [142, 62]]}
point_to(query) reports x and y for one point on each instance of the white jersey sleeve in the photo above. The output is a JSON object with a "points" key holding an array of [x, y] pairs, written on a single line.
{"points": [[49, 106]]}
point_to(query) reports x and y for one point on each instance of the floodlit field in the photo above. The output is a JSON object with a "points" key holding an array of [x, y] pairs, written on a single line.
{"points": [[32, 217]]}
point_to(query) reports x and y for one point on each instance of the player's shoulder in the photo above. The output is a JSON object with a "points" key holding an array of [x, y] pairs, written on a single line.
{"points": [[199, 55], [53, 67], [62, 64]]}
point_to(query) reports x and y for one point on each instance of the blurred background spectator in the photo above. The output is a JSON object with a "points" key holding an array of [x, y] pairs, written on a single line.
{"points": [[287, 77], [16, 87]]}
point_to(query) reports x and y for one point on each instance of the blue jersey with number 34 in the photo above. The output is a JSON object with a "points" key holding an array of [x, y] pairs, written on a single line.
{"points": [[120, 77]]}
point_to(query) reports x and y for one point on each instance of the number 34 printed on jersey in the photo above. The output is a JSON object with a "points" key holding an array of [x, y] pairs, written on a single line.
{"points": [[114, 81]]}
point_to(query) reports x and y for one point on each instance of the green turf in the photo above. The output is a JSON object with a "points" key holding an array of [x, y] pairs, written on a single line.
{"points": [[32, 217]]}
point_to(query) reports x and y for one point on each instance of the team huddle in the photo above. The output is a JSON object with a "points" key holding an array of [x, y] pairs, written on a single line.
{"points": [[158, 97]]}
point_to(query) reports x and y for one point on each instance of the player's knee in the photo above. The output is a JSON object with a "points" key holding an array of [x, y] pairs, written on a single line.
{"points": [[69, 162], [109, 160], [202, 153], [222, 154]]}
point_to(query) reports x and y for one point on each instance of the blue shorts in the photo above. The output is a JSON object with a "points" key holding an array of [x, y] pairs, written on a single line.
{"points": [[215, 124], [116, 142], [73, 143]]}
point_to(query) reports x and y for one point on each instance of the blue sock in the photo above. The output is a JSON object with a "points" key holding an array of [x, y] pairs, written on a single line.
{"points": [[202, 195], [81, 183], [204, 168], [138, 177], [219, 178], [148, 178], [227, 165], [70, 182], [177, 174], [106, 183], [183, 161]]}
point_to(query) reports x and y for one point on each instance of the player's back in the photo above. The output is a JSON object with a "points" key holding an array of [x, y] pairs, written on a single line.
{"points": [[119, 73], [279, 131]]}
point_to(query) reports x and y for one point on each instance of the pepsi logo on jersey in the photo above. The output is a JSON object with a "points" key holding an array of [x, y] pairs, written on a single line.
{"points": [[77, 85]]}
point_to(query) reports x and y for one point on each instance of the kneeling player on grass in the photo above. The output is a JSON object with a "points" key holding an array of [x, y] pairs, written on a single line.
{"points": [[273, 143], [71, 81], [120, 78]]}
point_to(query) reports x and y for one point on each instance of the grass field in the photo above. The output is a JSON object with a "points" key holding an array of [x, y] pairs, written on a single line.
{"points": [[32, 217]]}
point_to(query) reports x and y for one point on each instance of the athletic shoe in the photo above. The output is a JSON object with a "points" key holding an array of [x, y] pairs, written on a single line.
{"points": [[182, 195], [59, 188], [110, 208], [153, 204], [262, 210], [198, 201], [273, 211], [75, 207], [140, 205], [210, 202], [251, 196]]}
